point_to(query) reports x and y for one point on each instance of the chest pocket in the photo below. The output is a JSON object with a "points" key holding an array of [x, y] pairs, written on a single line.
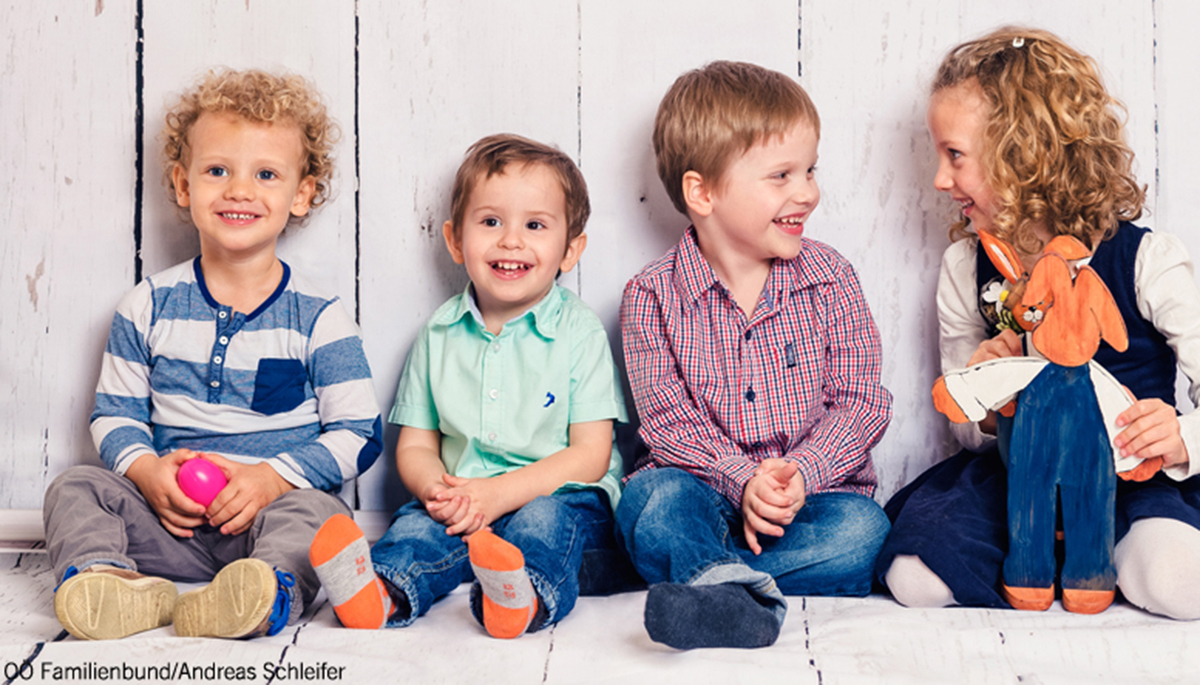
{"points": [[278, 386]]}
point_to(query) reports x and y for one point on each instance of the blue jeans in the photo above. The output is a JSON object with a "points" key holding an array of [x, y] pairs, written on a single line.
{"points": [[677, 529], [419, 559]]}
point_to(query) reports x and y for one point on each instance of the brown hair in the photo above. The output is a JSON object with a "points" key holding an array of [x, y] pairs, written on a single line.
{"points": [[720, 110], [492, 155], [259, 97], [1054, 142]]}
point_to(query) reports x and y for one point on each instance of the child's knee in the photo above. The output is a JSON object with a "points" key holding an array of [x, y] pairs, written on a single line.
{"points": [[856, 522], [1158, 567]]}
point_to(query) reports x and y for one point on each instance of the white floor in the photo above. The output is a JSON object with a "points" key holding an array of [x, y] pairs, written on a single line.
{"points": [[826, 641]]}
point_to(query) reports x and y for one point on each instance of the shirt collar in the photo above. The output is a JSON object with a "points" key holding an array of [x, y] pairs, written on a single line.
{"points": [[544, 314]]}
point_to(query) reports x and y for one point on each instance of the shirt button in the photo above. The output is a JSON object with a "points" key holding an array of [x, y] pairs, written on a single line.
{"points": [[749, 334], [217, 359], [215, 384], [491, 437], [224, 340], [750, 395], [495, 347], [221, 315], [493, 393]]}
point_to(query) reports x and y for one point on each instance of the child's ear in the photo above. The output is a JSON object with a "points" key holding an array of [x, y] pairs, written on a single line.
{"points": [[574, 252], [696, 193], [180, 181], [304, 195], [453, 244]]}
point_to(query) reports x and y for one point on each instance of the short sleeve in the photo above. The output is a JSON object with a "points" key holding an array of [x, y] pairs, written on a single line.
{"points": [[414, 404]]}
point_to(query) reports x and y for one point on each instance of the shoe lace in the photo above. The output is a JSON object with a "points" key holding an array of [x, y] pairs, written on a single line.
{"points": [[283, 602]]}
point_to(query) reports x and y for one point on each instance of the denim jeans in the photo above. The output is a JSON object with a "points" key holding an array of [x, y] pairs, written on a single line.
{"points": [[553, 533], [677, 529]]}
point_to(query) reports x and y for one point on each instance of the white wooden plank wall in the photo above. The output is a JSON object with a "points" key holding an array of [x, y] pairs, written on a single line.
{"points": [[414, 83]]}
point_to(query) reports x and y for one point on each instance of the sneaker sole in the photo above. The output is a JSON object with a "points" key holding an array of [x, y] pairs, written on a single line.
{"points": [[100, 606], [235, 604]]}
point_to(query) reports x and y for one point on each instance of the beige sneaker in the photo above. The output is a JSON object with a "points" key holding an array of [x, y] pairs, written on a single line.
{"points": [[237, 603], [104, 602]]}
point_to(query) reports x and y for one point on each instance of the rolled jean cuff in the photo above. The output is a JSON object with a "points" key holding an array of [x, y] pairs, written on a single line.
{"points": [[762, 585], [409, 589]]}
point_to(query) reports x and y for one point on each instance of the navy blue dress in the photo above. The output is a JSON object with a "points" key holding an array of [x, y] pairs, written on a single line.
{"points": [[954, 516]]}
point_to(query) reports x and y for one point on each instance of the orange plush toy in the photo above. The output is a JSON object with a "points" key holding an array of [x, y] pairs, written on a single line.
{"points": [[1059, 439]]}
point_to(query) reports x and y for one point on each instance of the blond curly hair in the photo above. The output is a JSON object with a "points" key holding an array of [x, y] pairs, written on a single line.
{"points": [[258, 96], [1054, 142]]}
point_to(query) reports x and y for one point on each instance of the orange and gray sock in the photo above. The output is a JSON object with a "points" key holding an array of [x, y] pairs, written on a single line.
{"points": [[509, 602], [342, 559]]}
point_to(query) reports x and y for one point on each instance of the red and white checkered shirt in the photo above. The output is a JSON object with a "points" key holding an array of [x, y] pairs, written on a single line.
{"points": [[718, 393]]}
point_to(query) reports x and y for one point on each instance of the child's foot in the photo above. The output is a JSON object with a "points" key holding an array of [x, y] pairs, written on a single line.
{"points": [[105, 602], [509, 602], [246, 599], [697, 616], [342, 559]]}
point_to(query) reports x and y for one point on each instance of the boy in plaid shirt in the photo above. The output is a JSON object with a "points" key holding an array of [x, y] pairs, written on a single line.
{"points": [[755, 368]]}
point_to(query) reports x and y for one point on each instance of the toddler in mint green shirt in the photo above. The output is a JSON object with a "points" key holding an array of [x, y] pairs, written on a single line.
{"points": [[506, 408]]}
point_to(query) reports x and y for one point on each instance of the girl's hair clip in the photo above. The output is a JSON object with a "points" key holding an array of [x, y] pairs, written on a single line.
{"points": [[1019, 42]]}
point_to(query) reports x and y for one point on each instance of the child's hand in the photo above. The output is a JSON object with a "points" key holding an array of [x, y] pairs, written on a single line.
{"points": [[1007, 344], [445, 511], [251, 488], [771, 500], [481, 499], [156, 477], [1152, 430]]}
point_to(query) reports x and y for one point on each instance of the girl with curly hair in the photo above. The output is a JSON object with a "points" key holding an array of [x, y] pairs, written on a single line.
{"points": [[1031, 146]]}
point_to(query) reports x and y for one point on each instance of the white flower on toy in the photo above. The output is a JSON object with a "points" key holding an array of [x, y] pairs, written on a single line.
{"points": [[995, 293]]}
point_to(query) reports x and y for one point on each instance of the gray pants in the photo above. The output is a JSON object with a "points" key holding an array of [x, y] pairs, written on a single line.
{"points": [[92, 515]]}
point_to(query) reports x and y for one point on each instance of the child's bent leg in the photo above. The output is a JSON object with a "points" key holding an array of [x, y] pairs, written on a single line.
{"points": [[677, 532], [281, 536], [1158, 567], [551, 533], [953, 521], [418, 562], [342, 559], [829, 548], [94, 516]]}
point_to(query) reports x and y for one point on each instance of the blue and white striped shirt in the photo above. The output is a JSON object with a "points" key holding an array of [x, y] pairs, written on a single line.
{"points": [[288, 383]]}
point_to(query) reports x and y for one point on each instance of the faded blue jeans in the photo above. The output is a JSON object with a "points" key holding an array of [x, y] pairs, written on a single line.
{"points": [[554, 533], [677, 529]]}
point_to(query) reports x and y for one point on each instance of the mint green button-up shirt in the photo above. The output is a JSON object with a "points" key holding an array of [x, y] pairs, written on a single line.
{"points": [[505, 401]]}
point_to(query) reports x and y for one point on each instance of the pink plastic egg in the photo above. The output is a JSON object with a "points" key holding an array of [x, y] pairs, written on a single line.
{"points": [[201, 480]]}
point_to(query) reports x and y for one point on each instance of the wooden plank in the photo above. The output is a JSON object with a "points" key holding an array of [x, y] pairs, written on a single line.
{"points": [[66, 238], [313, 38], [868, 66], [1177, 54], [437, 78], [627, 67]]}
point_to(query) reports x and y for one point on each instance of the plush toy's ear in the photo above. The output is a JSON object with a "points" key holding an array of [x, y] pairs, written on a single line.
{"points": [[1003, 256]]}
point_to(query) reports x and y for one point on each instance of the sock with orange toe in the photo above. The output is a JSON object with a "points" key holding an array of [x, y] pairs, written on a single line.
{"points": [[509, 602], [342, 559]]}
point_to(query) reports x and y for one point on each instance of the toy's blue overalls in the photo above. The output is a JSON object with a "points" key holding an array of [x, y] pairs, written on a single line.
{"points": [[1070, 459]]}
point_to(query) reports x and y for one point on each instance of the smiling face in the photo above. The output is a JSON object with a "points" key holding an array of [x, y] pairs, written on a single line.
{"points": [[513, 240], [756, 212], [242, 180], [957, 117]]}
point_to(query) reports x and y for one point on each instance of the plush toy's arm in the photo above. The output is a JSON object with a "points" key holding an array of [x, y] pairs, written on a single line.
{"points": [[968, 394]]}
